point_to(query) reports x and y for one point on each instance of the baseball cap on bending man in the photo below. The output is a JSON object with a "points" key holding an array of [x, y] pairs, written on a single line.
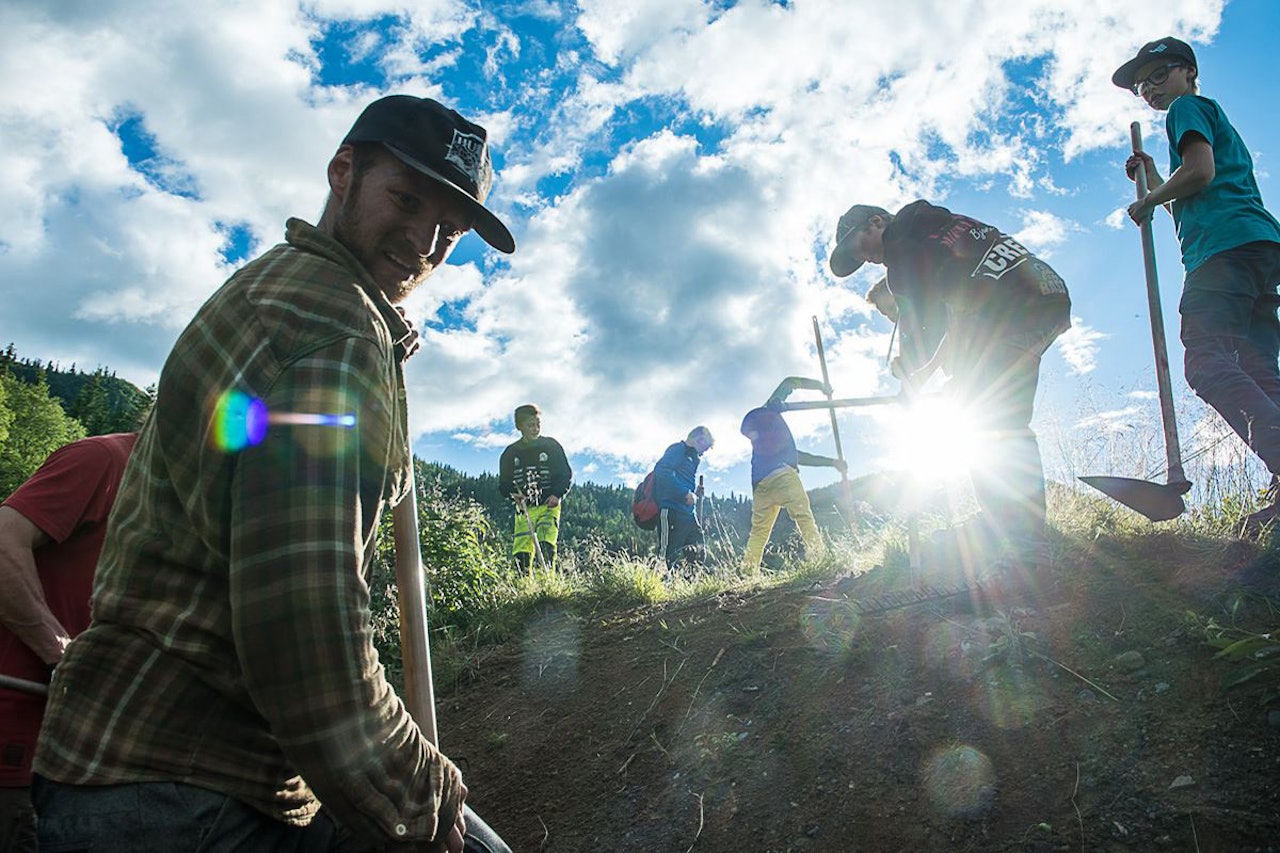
{"points": [[442, 145], [842, 264], [1165, 48]]}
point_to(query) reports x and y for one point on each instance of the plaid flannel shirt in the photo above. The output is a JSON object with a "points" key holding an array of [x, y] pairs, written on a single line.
{"points": [[231, 646]]}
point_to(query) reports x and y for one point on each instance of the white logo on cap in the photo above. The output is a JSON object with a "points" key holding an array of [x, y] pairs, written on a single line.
{"points": [[1160, 48], [466, 151]]}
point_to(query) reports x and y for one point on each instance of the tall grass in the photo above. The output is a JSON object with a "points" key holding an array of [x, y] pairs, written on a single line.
{"points": [[478, 598], [1228, 480]]}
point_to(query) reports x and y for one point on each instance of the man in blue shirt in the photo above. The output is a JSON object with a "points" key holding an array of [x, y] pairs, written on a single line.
{"points": [[679, 530], [1230, 250]]}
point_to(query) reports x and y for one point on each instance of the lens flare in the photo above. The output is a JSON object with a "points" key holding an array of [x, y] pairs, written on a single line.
{"points": [[241, 420], [551, 648], [932, 438], [830, 626], [959, 781], [1009, 698]]}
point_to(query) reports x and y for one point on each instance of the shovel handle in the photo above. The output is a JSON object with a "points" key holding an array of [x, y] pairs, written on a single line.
{"points": [[1173, 450], [415, 644]]}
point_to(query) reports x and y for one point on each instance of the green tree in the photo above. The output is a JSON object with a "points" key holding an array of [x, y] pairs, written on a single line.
{"points": [[92, 406], [6, 415], [35, 426]]}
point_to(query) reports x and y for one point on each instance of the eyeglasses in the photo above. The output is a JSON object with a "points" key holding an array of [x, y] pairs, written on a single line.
{"points": [[1156, 77]]}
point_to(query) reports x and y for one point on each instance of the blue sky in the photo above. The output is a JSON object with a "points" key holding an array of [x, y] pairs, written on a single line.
{"points": [[672, 171]]}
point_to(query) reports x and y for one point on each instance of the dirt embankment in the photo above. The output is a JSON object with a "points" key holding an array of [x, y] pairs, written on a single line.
{"points": [[1087, 715]]}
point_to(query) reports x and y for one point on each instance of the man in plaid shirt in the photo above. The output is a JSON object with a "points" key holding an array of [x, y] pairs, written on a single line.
{"points": [[228, 685]]}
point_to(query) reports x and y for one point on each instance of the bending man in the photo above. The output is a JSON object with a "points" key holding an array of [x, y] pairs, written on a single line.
{"points": [[775, 476], [973, 300]]}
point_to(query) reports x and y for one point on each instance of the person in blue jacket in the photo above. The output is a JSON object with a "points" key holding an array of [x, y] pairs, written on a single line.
{"points": [[674, 488], [1230, 250]]}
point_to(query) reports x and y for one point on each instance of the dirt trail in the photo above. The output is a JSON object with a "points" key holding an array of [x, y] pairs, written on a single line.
{"points": [[1087, 717]]}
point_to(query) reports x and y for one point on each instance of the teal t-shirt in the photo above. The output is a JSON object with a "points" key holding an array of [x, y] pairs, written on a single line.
{"points": [[1229, 212]]}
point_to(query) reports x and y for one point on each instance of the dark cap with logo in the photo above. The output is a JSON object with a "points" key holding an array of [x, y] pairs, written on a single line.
{"points": [[1165, 48], [842, 264], [442, 145]]}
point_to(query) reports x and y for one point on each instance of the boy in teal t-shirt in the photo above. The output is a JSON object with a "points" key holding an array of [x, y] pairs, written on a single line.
{"points": [[1230, 249]]}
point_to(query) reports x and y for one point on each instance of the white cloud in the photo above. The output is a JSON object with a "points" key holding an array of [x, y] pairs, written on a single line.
{"points": [[1116, 420], [1118, 219], [672, 170], [1042, 231], [1079, 346]]}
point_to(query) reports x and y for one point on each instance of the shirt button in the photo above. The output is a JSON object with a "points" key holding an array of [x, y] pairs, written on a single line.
{"points": [[401, 829]]}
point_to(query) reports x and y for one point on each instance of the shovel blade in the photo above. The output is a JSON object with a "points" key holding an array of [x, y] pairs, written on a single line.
{"points": [[1156, 501]]}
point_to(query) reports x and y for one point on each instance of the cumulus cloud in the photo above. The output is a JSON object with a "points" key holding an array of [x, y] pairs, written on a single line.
{"points": [[672, 170], [1042, 231], [1079, 346], [1118, 219]]}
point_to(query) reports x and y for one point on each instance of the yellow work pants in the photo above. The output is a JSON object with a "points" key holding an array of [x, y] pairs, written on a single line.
{"points": [[546, 523], [780, 490]]}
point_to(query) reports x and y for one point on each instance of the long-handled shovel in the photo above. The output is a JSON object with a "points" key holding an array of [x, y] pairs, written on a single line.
{"points": [[415, 645], [1157, 501]]}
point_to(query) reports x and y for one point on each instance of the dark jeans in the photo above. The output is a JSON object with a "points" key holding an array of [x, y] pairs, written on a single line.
{"points": [[679, 537], [1232, 342], [167, 817], [17, 821], [998, 380]]}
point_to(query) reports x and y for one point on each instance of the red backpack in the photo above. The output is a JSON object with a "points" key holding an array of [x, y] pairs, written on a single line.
{"points": [[644, 509]]}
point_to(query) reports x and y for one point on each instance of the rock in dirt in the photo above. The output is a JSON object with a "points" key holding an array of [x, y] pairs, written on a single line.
{"points": [[1131, 661], [1182, 782]]}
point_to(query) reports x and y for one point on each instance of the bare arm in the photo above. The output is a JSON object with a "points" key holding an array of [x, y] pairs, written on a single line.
{"points": [[1196, 172], [816, 461], [23, 608], [791, 383]]}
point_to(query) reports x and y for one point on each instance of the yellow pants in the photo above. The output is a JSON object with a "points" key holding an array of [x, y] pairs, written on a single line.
{"points": [[780, 490], [546, 523]]}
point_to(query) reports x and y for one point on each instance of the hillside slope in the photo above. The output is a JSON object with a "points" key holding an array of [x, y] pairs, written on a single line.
{"points": [[1089, 715]]}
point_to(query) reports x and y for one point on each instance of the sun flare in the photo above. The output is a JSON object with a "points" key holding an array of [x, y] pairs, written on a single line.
{"points": [[933, 438]]}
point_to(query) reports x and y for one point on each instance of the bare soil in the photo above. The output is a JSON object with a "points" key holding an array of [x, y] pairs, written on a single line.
{"points": [[1082, 712]]}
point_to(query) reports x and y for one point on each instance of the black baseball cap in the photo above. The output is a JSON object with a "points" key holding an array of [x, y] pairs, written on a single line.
{"points": [[842, 264], [442, 145], [1165, 48]]}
